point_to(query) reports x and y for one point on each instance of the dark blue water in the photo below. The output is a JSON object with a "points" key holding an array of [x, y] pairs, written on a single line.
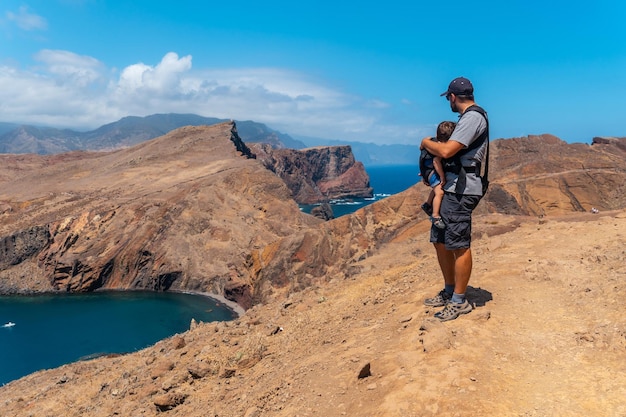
{"points": [[52, 330], [386, 180]]}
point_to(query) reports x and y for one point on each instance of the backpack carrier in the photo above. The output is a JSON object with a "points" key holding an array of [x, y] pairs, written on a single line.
{"points": [[426, 165], [454, 164]]}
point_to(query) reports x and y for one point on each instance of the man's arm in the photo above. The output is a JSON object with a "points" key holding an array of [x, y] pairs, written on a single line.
{"points": [[442, 149]]}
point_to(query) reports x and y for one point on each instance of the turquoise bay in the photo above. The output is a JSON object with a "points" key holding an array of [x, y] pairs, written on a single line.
{"points": [[52, 330]]}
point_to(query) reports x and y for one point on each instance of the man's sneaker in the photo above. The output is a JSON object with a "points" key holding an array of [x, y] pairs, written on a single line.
{"points": [[428, 209], [438, 300], [453, 310]]}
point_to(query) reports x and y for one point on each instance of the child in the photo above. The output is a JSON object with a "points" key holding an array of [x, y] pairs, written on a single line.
{"points": [[431, 170]]}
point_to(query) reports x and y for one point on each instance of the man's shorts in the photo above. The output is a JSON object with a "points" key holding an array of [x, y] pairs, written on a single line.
{"points": [[456, 212]]}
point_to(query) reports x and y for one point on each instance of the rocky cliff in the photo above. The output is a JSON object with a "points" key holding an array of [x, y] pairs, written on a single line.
{"points": [[317, 174], [147, 217], [543, 175]]}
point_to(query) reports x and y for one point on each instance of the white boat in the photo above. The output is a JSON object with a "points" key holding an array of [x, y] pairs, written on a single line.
{"points": [[9, 324]]}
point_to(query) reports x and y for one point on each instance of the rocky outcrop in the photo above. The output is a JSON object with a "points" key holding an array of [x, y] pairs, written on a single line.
{"points": [[332, 250], [543, 175], [22, 245], [317, 174], [323, 211], [147, 217], [603, 140]]}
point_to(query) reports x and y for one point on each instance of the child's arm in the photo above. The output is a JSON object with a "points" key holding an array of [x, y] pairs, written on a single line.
{"points": [[438, 165]]}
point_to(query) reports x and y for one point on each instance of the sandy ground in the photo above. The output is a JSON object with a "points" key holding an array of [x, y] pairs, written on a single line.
{"points": [[547, 338]]}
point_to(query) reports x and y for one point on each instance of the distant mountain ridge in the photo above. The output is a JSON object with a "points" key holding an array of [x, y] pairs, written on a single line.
{"points": [[131, 130], [126, 132]]}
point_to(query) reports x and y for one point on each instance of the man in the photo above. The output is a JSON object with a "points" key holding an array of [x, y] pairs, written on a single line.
{"points": [[464, 153]]}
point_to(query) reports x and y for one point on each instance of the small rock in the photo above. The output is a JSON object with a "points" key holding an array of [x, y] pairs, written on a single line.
{"points": [[278, 329], [200, 370], [406, 319], [161, 369], [168, 401], [178, 342], [365, 371]]}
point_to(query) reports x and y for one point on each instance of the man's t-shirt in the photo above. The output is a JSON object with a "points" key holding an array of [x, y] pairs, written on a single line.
{"points": [[469, 128]]}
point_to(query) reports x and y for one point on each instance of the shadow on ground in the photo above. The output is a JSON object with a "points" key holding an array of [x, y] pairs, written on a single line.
{"points": [[478, 296]]}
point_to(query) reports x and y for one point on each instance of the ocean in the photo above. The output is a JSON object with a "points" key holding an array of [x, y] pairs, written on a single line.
{"points": [[52, 330], [386, 180], [46, 331]]}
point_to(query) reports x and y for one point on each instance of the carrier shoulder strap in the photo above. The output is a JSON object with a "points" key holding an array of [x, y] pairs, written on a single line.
{"points": [[478, 142], [485, 135]]}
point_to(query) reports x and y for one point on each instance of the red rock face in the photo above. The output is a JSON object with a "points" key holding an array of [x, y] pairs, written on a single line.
{"points": [[318, 174]]}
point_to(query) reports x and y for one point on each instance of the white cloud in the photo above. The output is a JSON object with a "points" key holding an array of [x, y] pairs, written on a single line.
{"points": [[69, 67], [163, 79], [78, 91], [26, 20]]}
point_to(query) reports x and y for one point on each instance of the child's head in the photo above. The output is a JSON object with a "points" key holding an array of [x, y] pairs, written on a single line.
{"points": [[444, 130]]}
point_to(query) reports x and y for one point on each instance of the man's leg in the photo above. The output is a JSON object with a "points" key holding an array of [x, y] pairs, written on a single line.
{"points": [[457, 212], [462, 269], [458, 305], [447, 263]]}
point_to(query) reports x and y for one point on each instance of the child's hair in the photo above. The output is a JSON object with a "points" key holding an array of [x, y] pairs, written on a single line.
{"points": [[444, 130]]}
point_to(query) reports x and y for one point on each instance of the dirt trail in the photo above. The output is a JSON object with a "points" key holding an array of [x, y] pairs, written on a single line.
{"points": [[583, 171], [547, 337]]}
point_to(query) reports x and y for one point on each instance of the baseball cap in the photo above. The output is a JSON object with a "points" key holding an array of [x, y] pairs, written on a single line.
{"points": [[460, 86]]}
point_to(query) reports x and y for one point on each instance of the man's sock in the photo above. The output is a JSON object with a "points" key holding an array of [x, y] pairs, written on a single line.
{"points": [[449, 288], [458, 298]]}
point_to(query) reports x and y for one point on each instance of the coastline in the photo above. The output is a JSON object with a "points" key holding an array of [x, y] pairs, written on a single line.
{"points": [[231, 305], [236, 308]]}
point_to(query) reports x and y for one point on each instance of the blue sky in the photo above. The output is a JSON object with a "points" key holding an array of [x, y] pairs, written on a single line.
{"points": [[357, 71]]}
